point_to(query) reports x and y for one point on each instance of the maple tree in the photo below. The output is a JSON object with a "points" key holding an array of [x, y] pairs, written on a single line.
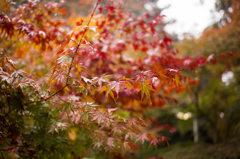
{"points": [[64, 84]]}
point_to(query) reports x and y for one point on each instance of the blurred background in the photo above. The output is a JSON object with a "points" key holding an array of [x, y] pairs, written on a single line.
{"points": [[205, 121]]}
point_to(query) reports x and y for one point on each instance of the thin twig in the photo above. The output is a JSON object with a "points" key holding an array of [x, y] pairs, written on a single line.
{"points": [[43, 100], [79, 43], [2, 154]]}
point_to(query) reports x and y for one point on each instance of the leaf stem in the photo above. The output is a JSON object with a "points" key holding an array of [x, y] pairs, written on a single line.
{"points": [[45, 99]]}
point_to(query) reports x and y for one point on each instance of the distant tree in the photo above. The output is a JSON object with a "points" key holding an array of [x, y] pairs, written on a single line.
{"points": [[216, 102]]}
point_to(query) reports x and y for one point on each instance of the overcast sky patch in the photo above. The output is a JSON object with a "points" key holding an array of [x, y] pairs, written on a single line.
{"points": [[191, 16]]}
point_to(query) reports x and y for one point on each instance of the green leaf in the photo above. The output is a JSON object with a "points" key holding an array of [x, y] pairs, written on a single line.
{"points": [[144, 88], [64, 58]]}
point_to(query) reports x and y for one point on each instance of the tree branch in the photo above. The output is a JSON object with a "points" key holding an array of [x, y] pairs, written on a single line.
{"points": [[80, 42], [70, 68]]}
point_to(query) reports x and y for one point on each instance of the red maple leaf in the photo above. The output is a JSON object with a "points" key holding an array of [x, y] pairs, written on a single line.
{"points": [[142, 138], [154, 141]]}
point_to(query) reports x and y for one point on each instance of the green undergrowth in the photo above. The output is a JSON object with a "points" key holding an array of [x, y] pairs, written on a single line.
{"points": [[189, 150]]}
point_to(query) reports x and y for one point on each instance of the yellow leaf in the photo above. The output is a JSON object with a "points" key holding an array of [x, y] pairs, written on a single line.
{"points": [[66, 90], [79, 68], [163, 76], [126, 78], [101, 109], [176, 80], [53, 81], [103, 89], [144, 88], [81, 85], [112, 95], [140, 88], [128, 85], [72, 135]]}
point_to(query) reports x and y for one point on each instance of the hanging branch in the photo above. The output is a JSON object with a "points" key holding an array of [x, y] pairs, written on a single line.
{"points": [[70, 68]]}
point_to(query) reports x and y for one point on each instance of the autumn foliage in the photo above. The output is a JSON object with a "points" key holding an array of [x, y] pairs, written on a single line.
{"points": [[65, 85]]}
